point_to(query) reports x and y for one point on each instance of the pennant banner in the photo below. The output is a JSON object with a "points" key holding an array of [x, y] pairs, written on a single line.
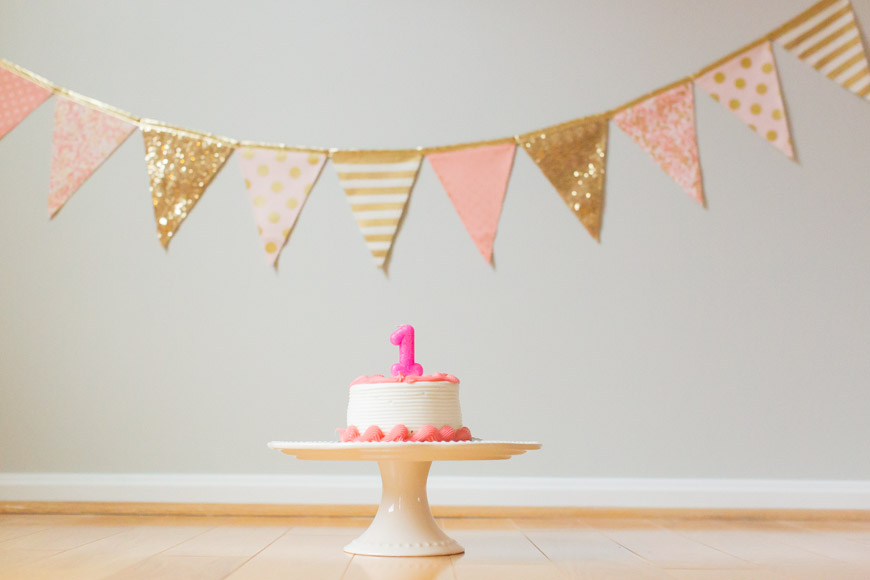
{"points": [[378, 185], [573, 157], [476, 181], [664, 125], [748, 85], [18, 98], [180, 165], [278, 182], [83, 138], [827, 37]]}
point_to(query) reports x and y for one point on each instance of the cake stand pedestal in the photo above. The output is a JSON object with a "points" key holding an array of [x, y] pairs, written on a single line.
{"points": [[403, 525]]}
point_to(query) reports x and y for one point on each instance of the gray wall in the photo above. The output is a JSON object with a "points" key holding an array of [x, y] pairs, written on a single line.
{"points": [[730, 342]]}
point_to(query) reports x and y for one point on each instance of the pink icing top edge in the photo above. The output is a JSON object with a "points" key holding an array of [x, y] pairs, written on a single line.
{"points": [[373, 379]]}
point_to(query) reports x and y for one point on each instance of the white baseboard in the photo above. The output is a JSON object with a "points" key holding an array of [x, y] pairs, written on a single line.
{"points": [[443, 490]]}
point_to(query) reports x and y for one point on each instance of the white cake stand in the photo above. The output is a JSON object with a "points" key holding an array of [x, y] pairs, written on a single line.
{"points": [[403, 525]]}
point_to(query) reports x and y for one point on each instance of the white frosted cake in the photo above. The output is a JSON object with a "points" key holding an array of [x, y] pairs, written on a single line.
{"points": [[405, 407]]}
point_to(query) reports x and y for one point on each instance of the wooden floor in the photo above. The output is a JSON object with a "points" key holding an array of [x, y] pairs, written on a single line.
{"points": [[71, 547]]}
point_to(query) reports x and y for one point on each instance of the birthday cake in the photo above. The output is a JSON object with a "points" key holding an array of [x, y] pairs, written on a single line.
{"points": [[407, 406]]}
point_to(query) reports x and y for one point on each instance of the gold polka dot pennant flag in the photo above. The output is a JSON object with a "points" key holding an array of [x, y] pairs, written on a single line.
{"points": [[826, 36], [378, 185], [748, 85], [181, 165], [475, 180], [573, 157], [664, 126], [278, 183], [83, 139], [18, 98]]}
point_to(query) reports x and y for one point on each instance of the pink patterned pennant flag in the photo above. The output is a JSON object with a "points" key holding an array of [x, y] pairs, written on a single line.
{"points": [[664, 125], [278, 182], [476, 180], [83, 139], [18, 98], [748, 84]]}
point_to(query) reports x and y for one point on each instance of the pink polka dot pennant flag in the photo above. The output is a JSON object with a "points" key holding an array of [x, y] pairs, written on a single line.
{"points": [[476, 181], [278, 183], [664, 126], [748, 85], [83, 139], [18, 98]]}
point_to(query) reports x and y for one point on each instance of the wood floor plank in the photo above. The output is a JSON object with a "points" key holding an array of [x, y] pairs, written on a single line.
{"points": [[550, 523], [180, 568], [60, 537], [743, 540], [668, 549], [586, 553], [496, 547], [299, 556], [754, 574], [106, 556], [329, 526], [855, 531], [539, 571], [10, 531], [827, 544], [581, 546], [238, 541], [835, 571], [10, 559]]}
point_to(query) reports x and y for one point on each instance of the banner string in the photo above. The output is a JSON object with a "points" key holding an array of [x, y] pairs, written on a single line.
{"points": [[234, 143]]}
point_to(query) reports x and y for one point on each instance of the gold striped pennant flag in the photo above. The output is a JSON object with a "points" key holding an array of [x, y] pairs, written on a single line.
{"points": [[827, 37], [378, 185]]}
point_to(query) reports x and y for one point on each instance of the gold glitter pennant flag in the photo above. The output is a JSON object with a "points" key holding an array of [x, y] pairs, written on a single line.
{"points": [[826, 36], [181, 165], [378, 185], [573, 157]]}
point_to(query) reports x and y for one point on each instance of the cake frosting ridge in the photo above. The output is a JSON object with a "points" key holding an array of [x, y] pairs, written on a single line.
{"points": [[407, 406], [373, 379]]}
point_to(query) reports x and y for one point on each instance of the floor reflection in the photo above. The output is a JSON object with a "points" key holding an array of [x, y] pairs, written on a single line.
{"points": [[401, 568]]}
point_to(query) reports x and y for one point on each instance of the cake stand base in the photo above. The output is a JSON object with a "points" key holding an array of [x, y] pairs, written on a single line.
{"points": [[404, 525]]}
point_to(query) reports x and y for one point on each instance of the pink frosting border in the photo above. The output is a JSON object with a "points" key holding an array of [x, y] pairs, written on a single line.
{"points": [[401, 433], [374, 379]]}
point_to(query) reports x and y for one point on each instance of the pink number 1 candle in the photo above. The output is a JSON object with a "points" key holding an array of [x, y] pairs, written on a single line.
{"points": [[404, 339]]}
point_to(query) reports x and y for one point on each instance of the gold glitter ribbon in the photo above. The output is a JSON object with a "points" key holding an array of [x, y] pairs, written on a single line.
{"points": [[573, 156], [181, 165]]}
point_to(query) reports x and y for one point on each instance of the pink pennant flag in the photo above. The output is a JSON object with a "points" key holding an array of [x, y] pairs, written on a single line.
{"points": [[664, 125], [278, 182], [476, 180], [748, 85], [18, 98], [83, 139]]}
